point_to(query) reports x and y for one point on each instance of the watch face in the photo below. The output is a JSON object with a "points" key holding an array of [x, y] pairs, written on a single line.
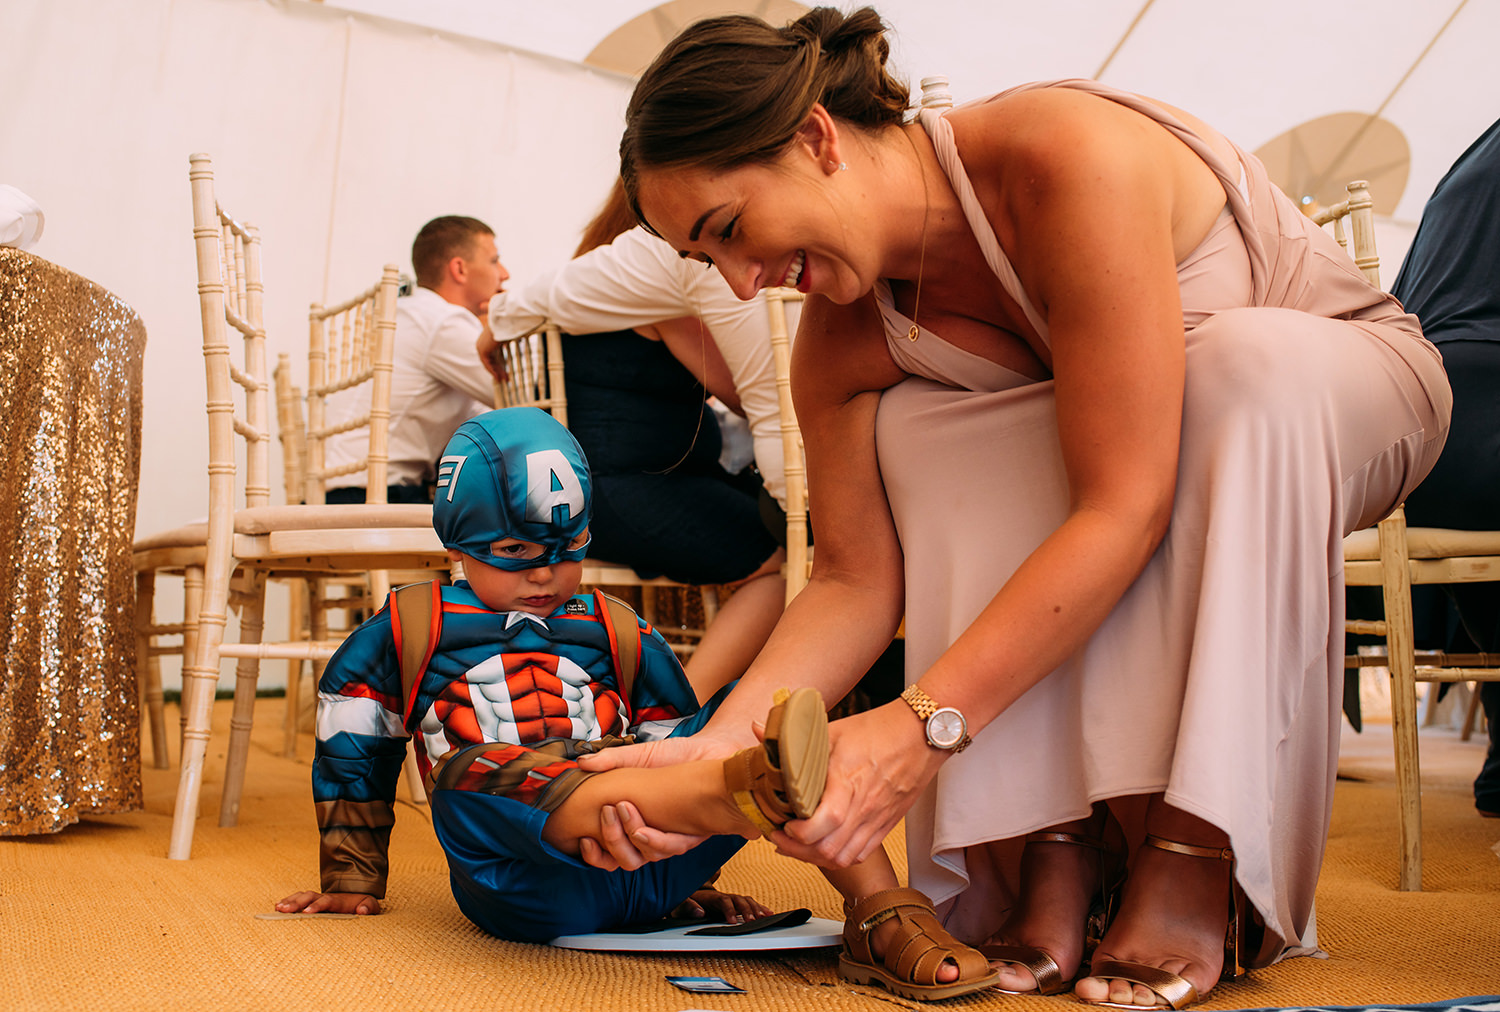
{"points": [[945, 727]]}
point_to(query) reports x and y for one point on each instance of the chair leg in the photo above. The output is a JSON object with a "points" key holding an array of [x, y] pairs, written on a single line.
{"points": [[246, 674], [148, 668], [1471, 713], [1401, 650], [297, 622], [200, 674], [192, 604]]}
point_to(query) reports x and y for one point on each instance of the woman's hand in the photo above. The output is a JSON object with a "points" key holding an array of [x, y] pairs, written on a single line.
{"points": [[706, 744], [880, 763], [626, 842]]}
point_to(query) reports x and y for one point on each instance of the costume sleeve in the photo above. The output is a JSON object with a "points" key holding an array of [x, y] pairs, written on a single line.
{"points": [[452, 360], [361, 744]]}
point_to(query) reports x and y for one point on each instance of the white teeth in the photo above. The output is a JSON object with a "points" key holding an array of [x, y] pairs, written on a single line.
{"points": [[794, 273]]}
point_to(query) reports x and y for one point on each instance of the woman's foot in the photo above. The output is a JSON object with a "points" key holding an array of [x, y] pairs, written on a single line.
{"points": [[1067, 872], [1173, 919]]}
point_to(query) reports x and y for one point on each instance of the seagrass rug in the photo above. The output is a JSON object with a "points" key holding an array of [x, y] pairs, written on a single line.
{"points": [[96, 918]]}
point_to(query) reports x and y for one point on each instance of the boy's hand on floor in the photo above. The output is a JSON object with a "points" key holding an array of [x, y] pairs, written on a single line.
{"points": [[311, 902], [731, 908]]}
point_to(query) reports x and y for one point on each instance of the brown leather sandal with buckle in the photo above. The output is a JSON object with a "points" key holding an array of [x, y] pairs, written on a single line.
{"points": [[1177, 992], [916, 951], [783, 778]]}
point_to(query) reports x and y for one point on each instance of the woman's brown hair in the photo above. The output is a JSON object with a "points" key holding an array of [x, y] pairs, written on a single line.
{"points": [[609, 223], [733, 90]]}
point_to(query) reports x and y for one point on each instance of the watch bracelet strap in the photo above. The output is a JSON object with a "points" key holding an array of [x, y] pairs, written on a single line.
{"points": [[921, 702]]}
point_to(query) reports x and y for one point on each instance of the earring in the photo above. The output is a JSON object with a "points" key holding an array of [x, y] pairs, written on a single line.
{"points": [[843, 166]]}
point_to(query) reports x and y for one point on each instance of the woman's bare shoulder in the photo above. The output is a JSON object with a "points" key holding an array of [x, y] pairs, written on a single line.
{"points": [[1059, 129]]}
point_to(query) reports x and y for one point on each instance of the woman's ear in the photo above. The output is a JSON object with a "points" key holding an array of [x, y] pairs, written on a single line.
{"points": [[818, 138]]}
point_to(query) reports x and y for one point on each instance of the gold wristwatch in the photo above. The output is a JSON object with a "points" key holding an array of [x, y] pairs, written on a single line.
{"points": [[946, 727]]}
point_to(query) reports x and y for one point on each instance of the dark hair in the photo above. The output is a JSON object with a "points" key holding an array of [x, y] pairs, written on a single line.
{"points": [[439, 241], [733, 90], [614, 218]]}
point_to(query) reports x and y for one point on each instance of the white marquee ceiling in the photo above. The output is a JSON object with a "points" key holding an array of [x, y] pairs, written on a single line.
{"points": [[1256, 71]]}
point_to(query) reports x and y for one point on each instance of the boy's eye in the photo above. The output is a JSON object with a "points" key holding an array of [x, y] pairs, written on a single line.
{"points": [[580, 541], [514, 548], [702, 258], [728, 232]]}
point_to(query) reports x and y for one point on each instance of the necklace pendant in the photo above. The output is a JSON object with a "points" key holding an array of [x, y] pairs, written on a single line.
{"points": [[912, 334]]}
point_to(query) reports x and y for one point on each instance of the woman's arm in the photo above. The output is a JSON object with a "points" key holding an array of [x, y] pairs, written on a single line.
{"points": [[847, 614]]}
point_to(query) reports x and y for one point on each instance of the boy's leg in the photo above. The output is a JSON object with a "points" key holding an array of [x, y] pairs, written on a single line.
{"points": [[873, 875], [511, 883], [687, 798]]}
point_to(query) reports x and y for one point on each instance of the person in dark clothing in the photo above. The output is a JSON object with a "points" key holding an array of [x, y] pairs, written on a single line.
{"points": [[1450, 280]]}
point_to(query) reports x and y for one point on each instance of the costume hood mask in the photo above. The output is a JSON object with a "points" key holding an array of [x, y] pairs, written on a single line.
{"points": [[513, 473]]}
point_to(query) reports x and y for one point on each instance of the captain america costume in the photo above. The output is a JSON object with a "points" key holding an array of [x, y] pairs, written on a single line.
{"points": [[499, 704], [506, 702]]}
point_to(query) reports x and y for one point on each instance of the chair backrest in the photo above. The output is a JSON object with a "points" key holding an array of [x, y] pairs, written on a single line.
{"points": [[798, 556], [349, 345], [230, 297], [291, 429], [1359, 210], [532, 364]]}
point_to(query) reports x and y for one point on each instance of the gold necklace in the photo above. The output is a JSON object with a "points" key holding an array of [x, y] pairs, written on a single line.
{"points": [[916, 305]]}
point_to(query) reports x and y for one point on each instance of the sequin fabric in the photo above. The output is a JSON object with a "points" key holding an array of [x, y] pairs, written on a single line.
{"points": [[70, 418]]}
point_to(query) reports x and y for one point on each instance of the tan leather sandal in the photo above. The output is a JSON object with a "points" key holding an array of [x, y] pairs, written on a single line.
{"points": [[1177, 992], [1049, 977], [916, 951], [783, 779]]}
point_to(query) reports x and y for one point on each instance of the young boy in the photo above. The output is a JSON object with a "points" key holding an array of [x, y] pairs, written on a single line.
{"points": [[519, 677], [507, 677]]}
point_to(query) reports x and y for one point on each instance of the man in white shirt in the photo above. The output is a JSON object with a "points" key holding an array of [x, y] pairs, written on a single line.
{"points": [[436, 382]]}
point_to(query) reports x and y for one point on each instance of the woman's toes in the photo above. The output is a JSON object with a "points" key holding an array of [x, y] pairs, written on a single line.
{"points": [[1014, 977], [947, 972]]}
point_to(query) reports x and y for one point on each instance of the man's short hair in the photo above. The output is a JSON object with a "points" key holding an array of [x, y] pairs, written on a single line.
{"points": [[439, 241]]}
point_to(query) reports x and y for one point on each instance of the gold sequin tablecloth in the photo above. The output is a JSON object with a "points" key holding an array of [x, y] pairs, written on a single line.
{"points": [[70, 421]]}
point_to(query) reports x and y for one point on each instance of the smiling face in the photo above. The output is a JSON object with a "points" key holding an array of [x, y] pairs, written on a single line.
{"points": [[789, 222]]}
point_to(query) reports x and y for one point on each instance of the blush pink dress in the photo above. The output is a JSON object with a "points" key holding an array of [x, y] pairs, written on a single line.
{"points": [[1313, 405]]}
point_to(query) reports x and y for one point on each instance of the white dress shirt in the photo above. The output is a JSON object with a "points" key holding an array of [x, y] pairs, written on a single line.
{"points": [[437, 384], [639, 279]]}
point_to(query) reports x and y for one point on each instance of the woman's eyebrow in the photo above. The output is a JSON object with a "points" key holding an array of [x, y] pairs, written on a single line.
{"points": [[702, 219]]}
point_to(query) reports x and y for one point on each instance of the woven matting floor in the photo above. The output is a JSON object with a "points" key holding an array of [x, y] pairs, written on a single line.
{"points": [[96, 918]]}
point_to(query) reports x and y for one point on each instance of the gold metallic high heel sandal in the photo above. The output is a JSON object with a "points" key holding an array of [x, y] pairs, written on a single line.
{"points": [[783, 778], [1177, 992], [1049, 978]]}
